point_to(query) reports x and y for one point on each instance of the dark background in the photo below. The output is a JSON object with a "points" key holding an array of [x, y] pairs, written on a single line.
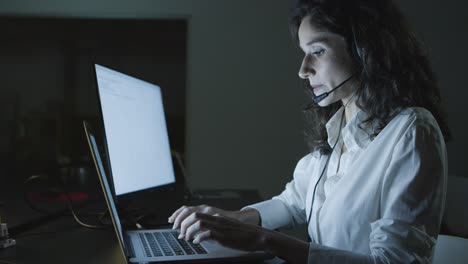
{"points": [[228, 70], [48, 84]]}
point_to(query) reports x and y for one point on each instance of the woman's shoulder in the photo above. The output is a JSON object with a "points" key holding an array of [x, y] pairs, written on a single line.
{"points": [[416, 113], [416, 118], [308, 160]]}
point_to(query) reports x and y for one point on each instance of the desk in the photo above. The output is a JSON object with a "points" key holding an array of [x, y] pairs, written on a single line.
{"points": [[64, 241]]}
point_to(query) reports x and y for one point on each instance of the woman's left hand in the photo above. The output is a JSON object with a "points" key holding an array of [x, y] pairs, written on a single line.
{"points": [[227, 231]]}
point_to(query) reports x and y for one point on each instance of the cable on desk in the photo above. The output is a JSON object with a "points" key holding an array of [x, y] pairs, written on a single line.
{"points": [[68, 204]]}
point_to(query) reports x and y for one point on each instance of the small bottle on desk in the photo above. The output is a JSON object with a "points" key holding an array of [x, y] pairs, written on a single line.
{"points": [[5, 241]]}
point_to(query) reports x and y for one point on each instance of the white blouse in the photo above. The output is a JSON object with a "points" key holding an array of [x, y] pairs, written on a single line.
{"points": [[382, 202]]}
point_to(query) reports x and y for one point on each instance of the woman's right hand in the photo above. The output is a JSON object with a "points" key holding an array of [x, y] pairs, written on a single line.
{"points": [[181, 217]]}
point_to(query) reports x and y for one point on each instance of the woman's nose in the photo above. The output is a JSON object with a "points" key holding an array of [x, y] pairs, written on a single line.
{"points": [[306, 69]]}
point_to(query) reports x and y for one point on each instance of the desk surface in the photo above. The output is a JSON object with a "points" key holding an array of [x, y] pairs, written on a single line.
{"points": [[64, 241]]}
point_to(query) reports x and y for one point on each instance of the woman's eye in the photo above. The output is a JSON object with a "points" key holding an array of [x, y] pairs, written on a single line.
{"points": [[319, 52]]}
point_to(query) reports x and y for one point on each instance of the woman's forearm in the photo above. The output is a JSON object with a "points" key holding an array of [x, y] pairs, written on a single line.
{"points": [[291, 249], [286, 247]]}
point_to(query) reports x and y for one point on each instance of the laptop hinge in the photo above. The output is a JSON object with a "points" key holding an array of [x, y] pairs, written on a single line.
{"points": [[129, 248]]}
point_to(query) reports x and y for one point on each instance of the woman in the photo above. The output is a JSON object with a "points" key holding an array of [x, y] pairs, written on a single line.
{"points": [[372, 188]]}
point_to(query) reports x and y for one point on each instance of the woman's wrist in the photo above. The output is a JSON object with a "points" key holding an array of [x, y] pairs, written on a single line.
{"points": [[248, 216]]}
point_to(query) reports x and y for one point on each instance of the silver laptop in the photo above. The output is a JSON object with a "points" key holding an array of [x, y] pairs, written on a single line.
{"points": [[158, 245]]}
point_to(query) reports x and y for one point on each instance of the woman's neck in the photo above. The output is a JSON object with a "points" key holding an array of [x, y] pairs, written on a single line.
{"points": [[350, 107]]}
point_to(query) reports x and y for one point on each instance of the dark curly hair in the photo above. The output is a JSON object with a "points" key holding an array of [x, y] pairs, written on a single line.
{"points": [[393, 68]]}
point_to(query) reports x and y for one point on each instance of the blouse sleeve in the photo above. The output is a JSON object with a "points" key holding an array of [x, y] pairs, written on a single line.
{"points": [[412, 198], [288, 208]]}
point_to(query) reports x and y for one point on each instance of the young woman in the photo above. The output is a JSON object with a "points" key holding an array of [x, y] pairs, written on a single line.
{"points": [[372, 188]]}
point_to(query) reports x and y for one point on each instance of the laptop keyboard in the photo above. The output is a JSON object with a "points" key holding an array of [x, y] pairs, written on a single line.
{"points": [[158, 244]]}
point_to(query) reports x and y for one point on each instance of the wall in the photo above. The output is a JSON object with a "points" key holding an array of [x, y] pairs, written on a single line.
{"points": [[443, 26], [243, 89], [244, 98]]}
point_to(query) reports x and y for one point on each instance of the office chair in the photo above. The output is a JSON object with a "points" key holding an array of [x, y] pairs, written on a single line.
{"points": [[451, 249]]}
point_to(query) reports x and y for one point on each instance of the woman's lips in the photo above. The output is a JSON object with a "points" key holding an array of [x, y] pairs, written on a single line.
{"points": [[316, 88]]}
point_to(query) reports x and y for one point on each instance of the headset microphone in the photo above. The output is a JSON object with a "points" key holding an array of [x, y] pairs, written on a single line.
{"points": [[317, 99]]}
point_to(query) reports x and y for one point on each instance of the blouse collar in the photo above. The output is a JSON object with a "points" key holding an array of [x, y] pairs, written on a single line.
{"points": [[356, 135]]}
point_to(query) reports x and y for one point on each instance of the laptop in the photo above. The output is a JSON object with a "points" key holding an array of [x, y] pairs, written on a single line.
{"points": [[158, 245], [139, 159]]}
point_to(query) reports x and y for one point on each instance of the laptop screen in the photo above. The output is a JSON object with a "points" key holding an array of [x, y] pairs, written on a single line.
{"points": [[135, 131], [105, 184]]}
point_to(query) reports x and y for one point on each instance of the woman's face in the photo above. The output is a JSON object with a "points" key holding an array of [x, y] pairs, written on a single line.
{"points": [[326, 64]]}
